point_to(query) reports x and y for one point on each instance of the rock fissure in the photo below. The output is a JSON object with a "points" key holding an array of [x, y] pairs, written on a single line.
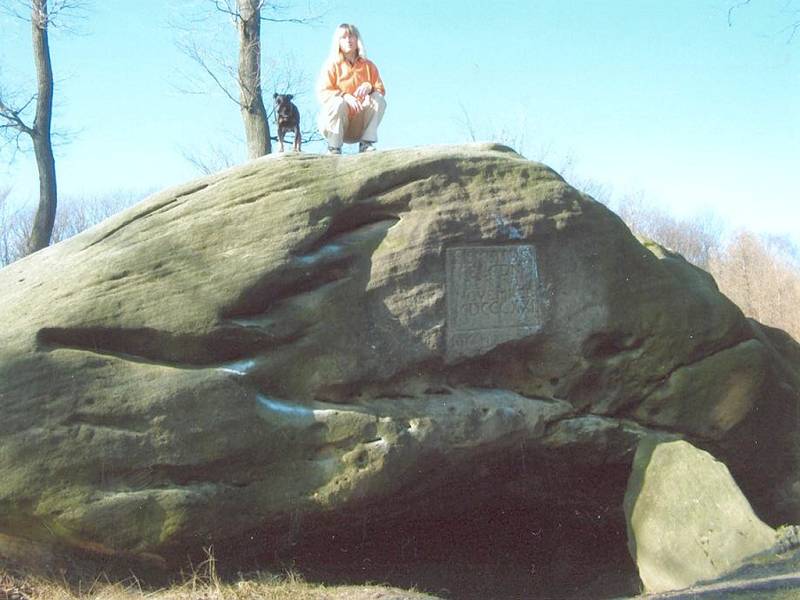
{"points": [[124, 425], [349, 226], [136, 217], [696, 361], [145, 345], [231, 471]]}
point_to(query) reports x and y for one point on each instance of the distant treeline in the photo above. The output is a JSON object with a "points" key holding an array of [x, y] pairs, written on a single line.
{"points": [[74, 215], [759, 272]]}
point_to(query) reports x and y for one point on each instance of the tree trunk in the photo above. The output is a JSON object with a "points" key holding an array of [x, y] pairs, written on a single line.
{"points": [[42, 143], [254, 114]]}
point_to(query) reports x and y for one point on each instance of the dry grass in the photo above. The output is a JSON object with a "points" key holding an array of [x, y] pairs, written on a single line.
{"points": [[204, 583]]}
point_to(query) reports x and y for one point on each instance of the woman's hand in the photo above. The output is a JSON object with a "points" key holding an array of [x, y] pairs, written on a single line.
{"points": [[353, 102], [364, 90]]}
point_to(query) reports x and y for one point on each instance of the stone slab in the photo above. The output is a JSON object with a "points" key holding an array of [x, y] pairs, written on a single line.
{"points": [[492, 296]]}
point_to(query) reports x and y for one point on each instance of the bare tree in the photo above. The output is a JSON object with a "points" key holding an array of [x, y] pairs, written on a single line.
{"points": [[7, 251], [82, 212], [762, 277], [251, 100], [243, 83], [40, 130], [511, 135], [696, 238], [14, 121], [211, 159], [74, 215]]}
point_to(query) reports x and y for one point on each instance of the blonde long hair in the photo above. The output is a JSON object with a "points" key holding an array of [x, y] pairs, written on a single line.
{"points": [[336, 52]]}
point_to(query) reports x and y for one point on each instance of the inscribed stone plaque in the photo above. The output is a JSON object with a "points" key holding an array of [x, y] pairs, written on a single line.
{"points": [[492, 297]]}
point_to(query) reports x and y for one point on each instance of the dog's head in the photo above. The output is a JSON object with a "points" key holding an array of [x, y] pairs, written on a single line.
{"points": [[284, 109]]}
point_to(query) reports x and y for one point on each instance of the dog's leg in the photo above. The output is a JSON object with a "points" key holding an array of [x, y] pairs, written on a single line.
{"points": [[297, 139]]}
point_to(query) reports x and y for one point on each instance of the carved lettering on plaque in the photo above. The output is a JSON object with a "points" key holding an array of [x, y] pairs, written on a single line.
{"points": [[492, 296]]}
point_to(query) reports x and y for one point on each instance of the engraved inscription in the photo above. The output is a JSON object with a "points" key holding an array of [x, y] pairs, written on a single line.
{"points": [[492, 296]]}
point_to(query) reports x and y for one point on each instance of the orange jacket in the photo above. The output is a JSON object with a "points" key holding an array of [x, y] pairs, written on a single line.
{"points": [[340, 78]]}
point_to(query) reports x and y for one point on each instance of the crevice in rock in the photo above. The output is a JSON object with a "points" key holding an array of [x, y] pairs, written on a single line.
{"points": [[331, 258], [620, 436], [652, 386], [412, 382], [595, 371], [142, 215], [350, 221], [703, 352], [295, 280], [433, 377], [388, 183], [200, 186], [124, 424], [696, 361], [145, 344], [232, 471]]}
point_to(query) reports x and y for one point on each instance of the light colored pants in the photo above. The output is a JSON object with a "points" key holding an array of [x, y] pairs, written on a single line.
{"points": [[338, 126]]}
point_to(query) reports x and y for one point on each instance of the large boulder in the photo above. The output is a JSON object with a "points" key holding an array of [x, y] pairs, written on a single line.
{"points": [[687, 519], [303, 341]]}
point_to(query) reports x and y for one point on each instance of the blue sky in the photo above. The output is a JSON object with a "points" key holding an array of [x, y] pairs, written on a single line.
{"points": [[643, 96]]}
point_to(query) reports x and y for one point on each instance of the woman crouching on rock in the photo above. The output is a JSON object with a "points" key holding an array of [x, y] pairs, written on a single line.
{"points": [[351, 93]]}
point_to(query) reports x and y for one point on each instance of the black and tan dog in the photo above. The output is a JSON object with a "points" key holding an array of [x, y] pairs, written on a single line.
{"points": [[287, 117]]}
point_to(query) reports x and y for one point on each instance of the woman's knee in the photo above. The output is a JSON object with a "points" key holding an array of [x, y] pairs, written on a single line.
{"points": [[378, 99], [338, 106], [335, 107]]}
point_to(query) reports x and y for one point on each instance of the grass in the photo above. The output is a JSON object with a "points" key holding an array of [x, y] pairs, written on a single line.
{"points": [[204, 583]]}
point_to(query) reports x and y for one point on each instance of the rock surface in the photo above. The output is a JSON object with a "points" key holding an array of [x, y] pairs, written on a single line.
{"points": [[309, 341], [687, 519]]}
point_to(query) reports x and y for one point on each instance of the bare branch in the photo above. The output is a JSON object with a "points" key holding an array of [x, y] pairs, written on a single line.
{"points": [[733, 8], [249, 74], [193, 52], [311, 135], [297, 21], [228, 8], [46, 14], [786, 12], [12, 116], [287, 77], [792, 29], [13, 137], [213, 160], [21, 11], [276, 8], [467, 123]]}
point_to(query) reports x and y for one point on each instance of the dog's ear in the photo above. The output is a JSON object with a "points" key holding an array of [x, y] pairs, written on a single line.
{"points": [[289, 96], [275, 96]]}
